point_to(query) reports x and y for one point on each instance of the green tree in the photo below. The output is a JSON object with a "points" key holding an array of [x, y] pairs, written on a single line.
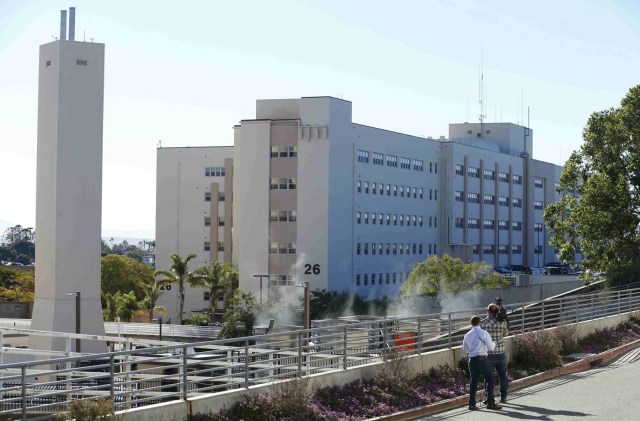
{"points": [[124, 274], [16, 285], [179, 274], [598, 212], [239, 315], [215, 278], [438, 275], [120, 305], [152, 292]]}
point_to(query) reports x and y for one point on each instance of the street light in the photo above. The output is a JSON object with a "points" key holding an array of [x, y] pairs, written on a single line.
{"points": [[261, 276], [307, 304], [77, 295], [159, 320]]}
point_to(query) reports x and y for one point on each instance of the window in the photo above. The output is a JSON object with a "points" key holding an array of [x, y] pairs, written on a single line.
{"points": [[359, 186], [538, 204], [392, 161], [430, 166], [435, 221], [415, 248], [282, 248], [420, 220], [284, 151], [516, 226], [405, 163], [435, 194], [207, 196], [459, 223], [539, 183], [378, 158], [420, 192], [503, 177], [358, 279], [373, 248], [429, 248], [373, 188], [358, 217], [81, 62], [401, 218], [395, 219], [489, 224], [380, 218], [516, 249], [472, 223], [283, 183], [537, 249], [388, 189], [401, 191], [489, 199], [221, 221], [220, 246], [473, 197], [401, 248], [373, 218], [415, 220], [48, 63], [207, 221], [517, 179], [388, 219], [221, 196], [430, 221], [363, 156], [430, 194], [473, 172], [503, 201], [388, 247], [418, 165], [366, 218], [503, 225], [380, 248], [435, 169], [394, 277], [205, 295], [207, 246], [556, 185], [415, 193], [366, 187], [475, 249], [420, 248], [516, 203], [366, 248], [488, 249], [459, 169], [366, 279], [459, 196], [214, 171], [503, 249], [406, 248], [358, 248], [395, 190], [395, 248], [489, 174], [281, 280], [537, 227], [283, 216]]}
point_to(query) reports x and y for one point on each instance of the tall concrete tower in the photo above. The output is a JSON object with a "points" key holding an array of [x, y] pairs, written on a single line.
{"points": [[69, 189]]}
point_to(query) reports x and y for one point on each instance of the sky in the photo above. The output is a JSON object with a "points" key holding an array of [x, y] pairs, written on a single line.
{"points": [[183, 73]]}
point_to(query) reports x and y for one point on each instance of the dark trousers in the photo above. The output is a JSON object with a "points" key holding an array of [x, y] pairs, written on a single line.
{"points": [[499, 362], [480, 366]]}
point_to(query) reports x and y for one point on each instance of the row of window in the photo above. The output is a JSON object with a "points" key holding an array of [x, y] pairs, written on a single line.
{"points": [[282, 248], [281, 280], [207, 196], [502, 249], [488, 174], [283, 183], [394, 190], [393, 248], [393, 219], [488, 224], [284, 151], [378, 158], [207, 246], [489, 199], [207, 221], [381, 278], [214, 171], [282, 216]]}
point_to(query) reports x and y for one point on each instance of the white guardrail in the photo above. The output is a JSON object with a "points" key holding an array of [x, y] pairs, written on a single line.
{"points": [[145, 373]]}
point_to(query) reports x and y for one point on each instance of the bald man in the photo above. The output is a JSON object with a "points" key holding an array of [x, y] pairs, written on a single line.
{"points": [[497, 356]]}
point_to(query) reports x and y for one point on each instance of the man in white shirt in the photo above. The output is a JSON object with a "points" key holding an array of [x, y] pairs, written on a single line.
{"points": [[477, 343]]}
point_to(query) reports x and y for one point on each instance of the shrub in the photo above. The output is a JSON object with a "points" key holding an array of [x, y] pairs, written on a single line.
{"points": [[536, 351], [442, 382], [568, 337], [602, 340], [90, 410]]}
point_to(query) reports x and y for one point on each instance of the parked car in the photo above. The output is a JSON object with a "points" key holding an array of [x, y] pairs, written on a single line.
{"points": [[13, 264], [539, 271], [503, 270], [520, 269]]}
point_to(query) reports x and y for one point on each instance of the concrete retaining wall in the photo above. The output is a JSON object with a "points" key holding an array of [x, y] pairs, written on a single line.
{"points": [[213, 403]]}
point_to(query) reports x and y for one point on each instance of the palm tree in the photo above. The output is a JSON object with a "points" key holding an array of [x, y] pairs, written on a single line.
{"points": [[179, 273], [152, 292], [218, 276]]}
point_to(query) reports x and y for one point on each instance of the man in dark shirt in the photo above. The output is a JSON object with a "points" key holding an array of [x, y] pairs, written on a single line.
{"points": [[497, 357]]}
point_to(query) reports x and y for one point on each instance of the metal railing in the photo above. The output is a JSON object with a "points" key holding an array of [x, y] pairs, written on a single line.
{"points": [[137, 377]]}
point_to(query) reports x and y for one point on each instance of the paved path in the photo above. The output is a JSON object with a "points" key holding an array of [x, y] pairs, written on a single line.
{"points": [[609, 392]]}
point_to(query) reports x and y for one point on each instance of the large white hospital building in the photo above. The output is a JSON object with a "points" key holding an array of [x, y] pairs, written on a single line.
{"points": [[306, 194]]}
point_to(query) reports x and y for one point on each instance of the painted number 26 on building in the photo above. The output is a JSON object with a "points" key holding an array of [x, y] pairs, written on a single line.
{"points": [[311, 269]]}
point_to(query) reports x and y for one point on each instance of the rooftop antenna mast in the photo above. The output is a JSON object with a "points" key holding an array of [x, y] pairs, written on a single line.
{"points": [[481, 89]]}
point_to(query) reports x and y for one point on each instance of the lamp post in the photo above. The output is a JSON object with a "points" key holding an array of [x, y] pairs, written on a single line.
{"points": [[77, 295], [159, 320], [261, 276]]}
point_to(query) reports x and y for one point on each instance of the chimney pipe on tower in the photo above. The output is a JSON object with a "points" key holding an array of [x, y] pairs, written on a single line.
{"points": [[63, 25], [72, 24]]}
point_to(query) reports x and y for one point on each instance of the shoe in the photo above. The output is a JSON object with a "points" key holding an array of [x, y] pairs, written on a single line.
{"points": [[473, 408], [503, 400], [494, 407], [484, 402]]}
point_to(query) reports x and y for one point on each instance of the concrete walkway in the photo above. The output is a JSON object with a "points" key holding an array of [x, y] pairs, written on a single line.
{"points": [[603, 393]]}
